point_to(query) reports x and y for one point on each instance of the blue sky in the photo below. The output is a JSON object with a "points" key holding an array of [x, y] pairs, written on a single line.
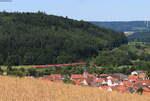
{"points": [[88, 10]]}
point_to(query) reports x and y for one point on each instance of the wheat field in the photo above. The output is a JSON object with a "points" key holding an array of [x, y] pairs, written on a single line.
{"points": [[25, 89]]}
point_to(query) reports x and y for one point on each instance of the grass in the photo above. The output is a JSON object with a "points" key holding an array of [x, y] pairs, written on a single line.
{"points": [[23, 66], [24, 89]]}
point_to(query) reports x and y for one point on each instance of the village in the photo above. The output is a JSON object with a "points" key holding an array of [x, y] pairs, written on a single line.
{"points": [[132, 83]]}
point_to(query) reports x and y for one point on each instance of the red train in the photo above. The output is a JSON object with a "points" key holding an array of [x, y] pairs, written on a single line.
{"points": [[59, 65]]}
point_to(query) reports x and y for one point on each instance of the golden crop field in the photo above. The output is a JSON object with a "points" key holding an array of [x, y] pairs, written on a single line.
{"points": [[25, 89]]}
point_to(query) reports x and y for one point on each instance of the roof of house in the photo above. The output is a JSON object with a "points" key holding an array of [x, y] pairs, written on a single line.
{"points": [[56, 76], [77, 76], [94, 84], [139, 71], [132, 77], [91, 76], [146, 89], [119, 76], [77, 82], [142, 75], [114, 79], [143, 81], [128, 83], [146, 93], [103, 75], [99, 80], [105, 87]]}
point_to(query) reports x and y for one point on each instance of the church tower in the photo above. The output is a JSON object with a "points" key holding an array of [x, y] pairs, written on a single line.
{"points": [[85, 72]]}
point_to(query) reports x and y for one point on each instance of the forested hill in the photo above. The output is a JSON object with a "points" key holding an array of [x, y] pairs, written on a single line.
{"points": [[135, 26], [38, 38]]}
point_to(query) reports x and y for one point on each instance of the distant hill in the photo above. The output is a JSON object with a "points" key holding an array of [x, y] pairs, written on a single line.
{"points": [[140, 37], [124, 26], [25, 89], [38, 38]]}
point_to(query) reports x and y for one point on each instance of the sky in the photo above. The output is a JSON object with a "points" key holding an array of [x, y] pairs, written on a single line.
{"points": [[88, 10]]}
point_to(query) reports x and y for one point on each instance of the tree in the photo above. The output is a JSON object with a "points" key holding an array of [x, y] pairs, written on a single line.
{"points": [[140, 90], [38, 38], [68, 81]]}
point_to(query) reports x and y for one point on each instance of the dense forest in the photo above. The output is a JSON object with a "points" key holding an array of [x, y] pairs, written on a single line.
{"points": [[38, 38]]}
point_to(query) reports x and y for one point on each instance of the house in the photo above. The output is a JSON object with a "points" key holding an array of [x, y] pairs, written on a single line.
{"points": [[94, 84], [137, 72], [56, 78], [108, 88], [132, 78], [112, 81], [120, 76], [98, 82], [146, 89], [143, 82], [102, 81], [84, 82], [143, 76], [103, 76], [77, 77], [115, 81], [128, 83], [91, 76], [146, 93], [77, 82], [65, 76]]}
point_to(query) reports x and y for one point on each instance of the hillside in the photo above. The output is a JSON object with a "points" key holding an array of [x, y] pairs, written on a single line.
{"points": [[140, 37], [16, 89], [125, 59], [38, 38], [124, 26]]}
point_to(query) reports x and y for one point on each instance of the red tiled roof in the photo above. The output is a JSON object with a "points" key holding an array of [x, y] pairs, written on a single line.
{"points": [[132, 77], [146, 82], [146, 89], [127, 83], [142, 75], [77, 76], [99, 80], [56, 76], [91, 76], [105, 87], [77, 82], [114, 79], [103, 75], [146, 93]]}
